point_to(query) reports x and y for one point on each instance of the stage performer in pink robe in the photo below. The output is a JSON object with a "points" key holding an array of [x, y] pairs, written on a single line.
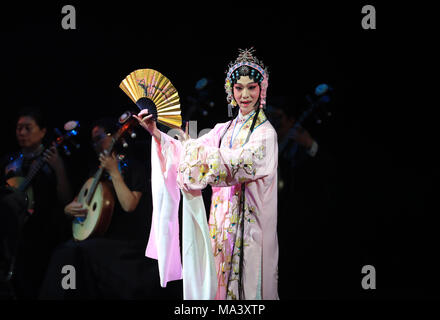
{"points": [[234, 255]]}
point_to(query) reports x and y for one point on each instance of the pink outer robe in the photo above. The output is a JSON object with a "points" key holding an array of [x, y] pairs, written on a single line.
{"points": [[211, 250]]}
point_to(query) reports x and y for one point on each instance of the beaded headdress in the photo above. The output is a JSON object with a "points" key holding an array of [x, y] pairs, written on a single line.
{"points": [[246, 63]]}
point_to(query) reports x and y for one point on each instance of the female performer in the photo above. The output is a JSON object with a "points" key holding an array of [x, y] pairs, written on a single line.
{"points": [[239, 245]]}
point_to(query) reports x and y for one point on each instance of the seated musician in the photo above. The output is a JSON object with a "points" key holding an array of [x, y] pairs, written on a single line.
{"points": [[112, 265], [29, 234]]}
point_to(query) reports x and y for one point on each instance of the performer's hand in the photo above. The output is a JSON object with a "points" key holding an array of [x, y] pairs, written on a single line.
{"points": [[75, 209], [146, 121], [109, 163]]}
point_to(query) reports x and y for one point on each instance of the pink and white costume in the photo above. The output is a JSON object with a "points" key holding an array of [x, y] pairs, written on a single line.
{"points": [[212, 249]]}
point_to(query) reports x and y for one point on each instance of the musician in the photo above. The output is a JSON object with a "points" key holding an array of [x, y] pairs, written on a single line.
{"points": [[304, 172], [295, 146], [29, 235], [113, 265]]}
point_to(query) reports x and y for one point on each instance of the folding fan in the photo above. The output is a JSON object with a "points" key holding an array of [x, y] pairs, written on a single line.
{"points": [[151, 90]]}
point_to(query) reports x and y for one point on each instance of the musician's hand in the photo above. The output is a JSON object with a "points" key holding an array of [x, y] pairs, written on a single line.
{"points": [[52, 157], [109, 163], [75, 209], [303, 137], [146, 121]]}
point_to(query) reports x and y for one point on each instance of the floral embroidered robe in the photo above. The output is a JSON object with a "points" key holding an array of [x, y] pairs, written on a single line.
{"points": [[192, 165]]}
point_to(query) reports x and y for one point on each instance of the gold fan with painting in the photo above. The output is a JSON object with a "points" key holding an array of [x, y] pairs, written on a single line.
{"points": [[151, 90]]}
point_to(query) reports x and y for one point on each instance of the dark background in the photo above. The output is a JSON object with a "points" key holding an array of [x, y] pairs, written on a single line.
{"points": [[382, 137]]}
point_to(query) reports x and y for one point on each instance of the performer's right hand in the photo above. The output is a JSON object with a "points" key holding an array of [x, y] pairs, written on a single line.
{"points": [[75, 209], [146, 121]]}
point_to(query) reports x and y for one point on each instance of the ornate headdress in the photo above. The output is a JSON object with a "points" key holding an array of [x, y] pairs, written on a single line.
{"points": [[246, 64]]}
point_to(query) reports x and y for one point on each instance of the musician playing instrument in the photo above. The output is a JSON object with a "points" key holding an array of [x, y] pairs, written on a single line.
{"points": [[127, 198], [112, 265], [31, 228]]}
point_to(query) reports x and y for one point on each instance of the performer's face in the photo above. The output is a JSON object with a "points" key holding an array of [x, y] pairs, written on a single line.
{"points": [[100, 139], [246, 94], [29, 134]]}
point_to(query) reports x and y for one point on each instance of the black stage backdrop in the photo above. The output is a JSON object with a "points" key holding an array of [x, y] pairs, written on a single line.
{"points": [[381, 138]]}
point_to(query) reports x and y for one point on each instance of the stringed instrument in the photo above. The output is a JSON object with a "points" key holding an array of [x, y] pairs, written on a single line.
{"points": [[97, 195], [148, 89], [317, 108], [20, 194]]}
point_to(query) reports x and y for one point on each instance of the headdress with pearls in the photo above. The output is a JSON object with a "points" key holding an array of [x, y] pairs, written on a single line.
{"points": [[246, 64]]}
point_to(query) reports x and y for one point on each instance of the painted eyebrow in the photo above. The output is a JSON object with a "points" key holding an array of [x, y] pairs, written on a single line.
{"points": [[248, 84]]}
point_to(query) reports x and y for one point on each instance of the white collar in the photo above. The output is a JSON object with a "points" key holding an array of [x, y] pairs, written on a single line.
{"points": [[242, 118]]}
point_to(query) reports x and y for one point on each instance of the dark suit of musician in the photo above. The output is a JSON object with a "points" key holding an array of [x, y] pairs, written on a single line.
{"points": [[29, 234]]}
